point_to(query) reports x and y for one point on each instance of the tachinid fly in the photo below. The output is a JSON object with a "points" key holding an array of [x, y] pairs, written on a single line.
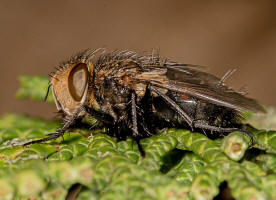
{"points": [[133, 95]]}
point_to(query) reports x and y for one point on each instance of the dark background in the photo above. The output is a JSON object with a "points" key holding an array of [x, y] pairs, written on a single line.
{"points": [[36, 35]]}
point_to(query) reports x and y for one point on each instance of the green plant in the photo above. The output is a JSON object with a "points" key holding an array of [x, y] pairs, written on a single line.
{"points": [[179, 164]]}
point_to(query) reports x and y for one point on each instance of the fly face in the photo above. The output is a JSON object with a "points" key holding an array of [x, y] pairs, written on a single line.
{"points": [[70, 86]]}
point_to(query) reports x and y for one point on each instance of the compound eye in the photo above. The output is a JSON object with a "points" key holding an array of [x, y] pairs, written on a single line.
{"points": [[77, 81]]}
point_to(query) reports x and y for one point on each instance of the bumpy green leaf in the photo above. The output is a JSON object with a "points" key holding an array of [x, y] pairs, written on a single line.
{"points": [[235, 144], [178, 164]]}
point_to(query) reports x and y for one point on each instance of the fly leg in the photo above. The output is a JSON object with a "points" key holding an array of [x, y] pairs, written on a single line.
{"points": [[135, 133], [204, 125], [134, 116], [59, 133], [246, 133], [114, 125], [105, 118], [197, 123], [174, 106]]}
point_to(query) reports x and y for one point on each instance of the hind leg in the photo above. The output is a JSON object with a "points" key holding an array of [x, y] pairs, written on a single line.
{"points": [[203, 125]]}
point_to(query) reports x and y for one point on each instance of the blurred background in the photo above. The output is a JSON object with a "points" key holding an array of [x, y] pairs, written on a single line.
{"points": [[36, 35]]}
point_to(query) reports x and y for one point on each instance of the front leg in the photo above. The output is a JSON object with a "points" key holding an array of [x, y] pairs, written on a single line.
{"points": [[68, 121], [103, 117], [114, 126]]}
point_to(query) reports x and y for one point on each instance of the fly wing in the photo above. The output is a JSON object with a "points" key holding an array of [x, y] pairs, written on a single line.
{"points": [[193, 81]]}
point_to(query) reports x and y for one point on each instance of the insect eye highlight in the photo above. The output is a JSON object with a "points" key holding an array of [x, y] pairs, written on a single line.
{"points": [[77, 81]]}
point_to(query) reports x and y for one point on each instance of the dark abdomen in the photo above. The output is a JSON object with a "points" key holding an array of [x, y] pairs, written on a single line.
{"points": [[198, 110]]}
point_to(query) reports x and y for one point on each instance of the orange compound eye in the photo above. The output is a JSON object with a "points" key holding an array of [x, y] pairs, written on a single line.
{"points": [[78, 80]]}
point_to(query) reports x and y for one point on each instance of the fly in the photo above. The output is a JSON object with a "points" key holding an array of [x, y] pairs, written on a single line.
{"points": [[133, 95]]}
